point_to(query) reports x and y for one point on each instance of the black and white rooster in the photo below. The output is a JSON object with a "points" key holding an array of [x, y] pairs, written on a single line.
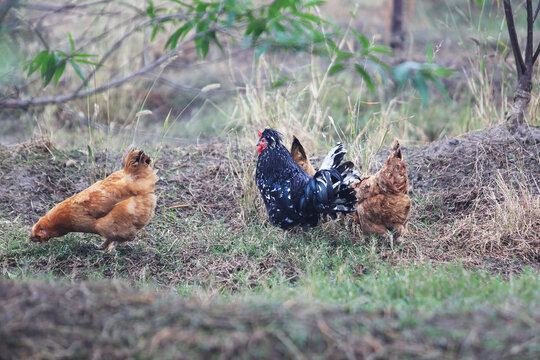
{"points": [[291, 196]]}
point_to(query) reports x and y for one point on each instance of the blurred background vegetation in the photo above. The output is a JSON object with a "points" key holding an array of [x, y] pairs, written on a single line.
{"points": [[317, 68]]}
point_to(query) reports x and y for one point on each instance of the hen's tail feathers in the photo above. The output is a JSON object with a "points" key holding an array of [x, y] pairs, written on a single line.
{"points": [[136, 160], [329, 191]]}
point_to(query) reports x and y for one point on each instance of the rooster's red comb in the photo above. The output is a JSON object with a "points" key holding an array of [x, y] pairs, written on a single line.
{"points": [[260, 133]]}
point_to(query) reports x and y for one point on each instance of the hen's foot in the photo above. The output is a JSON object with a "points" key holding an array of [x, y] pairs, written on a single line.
{"points": [[107, 247]]}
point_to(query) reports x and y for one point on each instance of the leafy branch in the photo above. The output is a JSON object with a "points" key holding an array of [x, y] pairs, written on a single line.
{"points": [[53, 63], [282, 25]]}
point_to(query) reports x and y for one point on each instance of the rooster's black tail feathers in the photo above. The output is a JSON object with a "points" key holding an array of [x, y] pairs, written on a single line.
{"points": [[329, 191]]}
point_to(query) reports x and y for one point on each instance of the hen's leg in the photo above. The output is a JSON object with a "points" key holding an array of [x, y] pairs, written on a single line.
{"points": [[399, 232], [107, 247], [104, 245], [111, 247]]}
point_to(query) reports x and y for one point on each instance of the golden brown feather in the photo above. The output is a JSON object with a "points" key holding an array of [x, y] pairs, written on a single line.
{"points": [[299, 155], [383, 200], [114, 208]]}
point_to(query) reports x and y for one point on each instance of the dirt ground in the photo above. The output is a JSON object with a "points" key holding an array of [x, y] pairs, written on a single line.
{"points": [[453, 187]]}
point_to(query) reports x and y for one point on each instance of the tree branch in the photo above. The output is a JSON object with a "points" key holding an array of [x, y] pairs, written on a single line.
{"points": [[117, 44], [18, 103], [536, 11], [536, 53], [520, 65], [529, 44], [5, 5], [60, 8]]}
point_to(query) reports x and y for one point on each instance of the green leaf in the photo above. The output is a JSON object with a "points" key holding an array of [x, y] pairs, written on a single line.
{"points": [[313, 3], [312, 18], [150, 10], [381, 49], [37, 62], [77, 70], [401, 74], [166, 123], [367, 78], [440, 86], [83, 55], [341, 55], [205, 46], [49, 69], [59, 71], [336, 68], [419, 82], [190, 7], [256, 28], [375, 59], [155, 31], [84, 61], [440, 71], [429, 53], [363, 40], [214, 39], [261, 49], [380, 69], [278, 83], [71, 43], [180, 32]]}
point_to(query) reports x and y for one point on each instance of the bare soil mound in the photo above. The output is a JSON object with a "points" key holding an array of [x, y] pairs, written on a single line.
{"points": [[461, 168], [476, 199]]}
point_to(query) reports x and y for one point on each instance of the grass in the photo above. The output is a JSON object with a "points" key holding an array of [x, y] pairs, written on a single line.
{"points": [[319, 266], [212, 279], [209, 277], [396, 312]]}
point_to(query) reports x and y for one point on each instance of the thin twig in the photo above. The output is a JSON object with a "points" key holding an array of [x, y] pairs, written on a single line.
{"points": [[536, 11], [117, 44], [180, 206], [56, 9], [536, 53]]}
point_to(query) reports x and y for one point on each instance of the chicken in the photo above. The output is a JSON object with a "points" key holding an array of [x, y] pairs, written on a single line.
{"points": [[383, 202], [290, 195], [114, 208]]}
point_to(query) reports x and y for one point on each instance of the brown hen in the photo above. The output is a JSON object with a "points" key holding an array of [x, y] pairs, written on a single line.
{"points": [[383, 200], [114, 208]]}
